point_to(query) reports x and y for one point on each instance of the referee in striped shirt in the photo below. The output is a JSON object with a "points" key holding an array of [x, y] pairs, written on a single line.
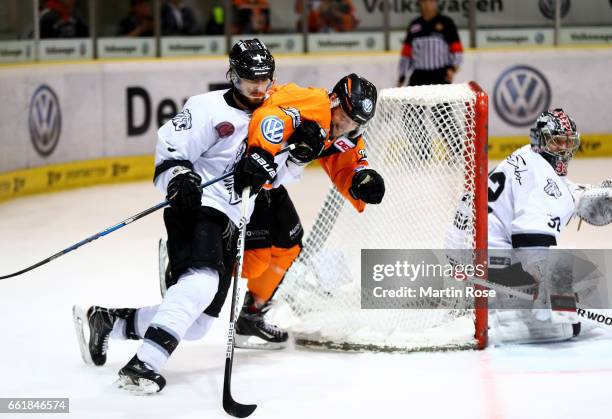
{"points": [[432, 48]]}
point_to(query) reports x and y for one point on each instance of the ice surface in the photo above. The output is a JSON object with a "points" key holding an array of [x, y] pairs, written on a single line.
{"points": [[39, 353]]}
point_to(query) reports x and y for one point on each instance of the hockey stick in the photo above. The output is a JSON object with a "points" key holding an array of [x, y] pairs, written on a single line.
{"points": [[587, 313], [231, 406], [109, 230], [121, 224]]}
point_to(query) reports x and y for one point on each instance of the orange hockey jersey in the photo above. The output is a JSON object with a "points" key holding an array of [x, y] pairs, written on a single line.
{"points": [[284, 109]]}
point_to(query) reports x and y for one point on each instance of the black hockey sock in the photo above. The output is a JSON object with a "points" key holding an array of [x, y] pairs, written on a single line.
{"points": [[161, 339]]}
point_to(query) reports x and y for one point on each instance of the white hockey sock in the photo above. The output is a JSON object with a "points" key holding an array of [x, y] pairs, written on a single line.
{"points": [[182, 305]]}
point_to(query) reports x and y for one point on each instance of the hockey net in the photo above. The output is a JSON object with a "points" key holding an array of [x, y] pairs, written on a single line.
{"points": [[429, 144]]}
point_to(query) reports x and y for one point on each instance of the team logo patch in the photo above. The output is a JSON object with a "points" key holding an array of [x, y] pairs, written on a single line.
{"points": [[343, 144], [362, 155], [225, 129], [367, 106], [552, 189], [272, 129], [415, 28], [182, 120], [294, 114]]}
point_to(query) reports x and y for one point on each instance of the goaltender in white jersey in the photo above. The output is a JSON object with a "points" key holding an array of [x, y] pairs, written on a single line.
{"points": [[529, 203], [531, 200]]}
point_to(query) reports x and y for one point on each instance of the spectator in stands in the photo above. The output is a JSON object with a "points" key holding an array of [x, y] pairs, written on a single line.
{"points": [[337, 16], [215, 25], [251, 16], [328, 15], [177, 19], [58, 19], [139, 22], [432, 49], [314, 21]]}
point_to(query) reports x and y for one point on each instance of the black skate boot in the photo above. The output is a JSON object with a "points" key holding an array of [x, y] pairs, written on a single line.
{"points": [[253, 332], [100, 321], [138, 378]]}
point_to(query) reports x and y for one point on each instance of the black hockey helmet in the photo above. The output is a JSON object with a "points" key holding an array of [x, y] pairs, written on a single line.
{"points": [[357, 97], [250, 59], [555, 138]]}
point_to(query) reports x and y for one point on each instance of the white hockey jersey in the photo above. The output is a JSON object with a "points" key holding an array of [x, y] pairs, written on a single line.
{"points": [[209, 133], [529, 204]]}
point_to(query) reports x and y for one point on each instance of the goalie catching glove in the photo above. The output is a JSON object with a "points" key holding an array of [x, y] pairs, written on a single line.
{"points": [[309, 139], [254, 170], [595, 205], [184, 192], [368, 186]]}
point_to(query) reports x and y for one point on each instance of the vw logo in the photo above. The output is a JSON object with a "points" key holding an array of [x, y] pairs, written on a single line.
{"points": [[367, 105], [547, 7], [45, 120], [520, 95], [272, 129]]}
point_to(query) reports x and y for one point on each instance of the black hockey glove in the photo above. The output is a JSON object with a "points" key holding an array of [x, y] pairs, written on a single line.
{"points": [[368, 186], [309, 139], [184, 191], [254, 170]]}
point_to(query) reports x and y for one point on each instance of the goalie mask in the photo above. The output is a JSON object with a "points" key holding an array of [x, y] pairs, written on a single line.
{"points": [[251, 71], [357, 98], [555, 138]]}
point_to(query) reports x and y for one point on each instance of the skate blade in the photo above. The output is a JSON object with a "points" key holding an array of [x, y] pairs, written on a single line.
{"points": [[254, 342], [79, 317], [144, 387]]}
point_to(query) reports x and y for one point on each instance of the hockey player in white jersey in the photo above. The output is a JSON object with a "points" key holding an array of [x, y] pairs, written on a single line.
{"points": [[530, 197], [530, 202], [205, 140]]}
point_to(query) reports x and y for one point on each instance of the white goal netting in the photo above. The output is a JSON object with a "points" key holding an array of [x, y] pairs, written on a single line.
{"points": [[423, 142]]}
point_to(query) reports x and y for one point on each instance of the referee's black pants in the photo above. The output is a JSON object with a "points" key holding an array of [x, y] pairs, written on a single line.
{"points": [[424, 77]]}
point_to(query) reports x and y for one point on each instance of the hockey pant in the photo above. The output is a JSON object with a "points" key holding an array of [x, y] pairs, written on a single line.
{"points": [[273, 241], [202, 252]]}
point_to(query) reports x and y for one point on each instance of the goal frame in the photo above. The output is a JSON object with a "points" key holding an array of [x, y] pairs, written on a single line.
{"points": [[481, 130], [475, 180]]}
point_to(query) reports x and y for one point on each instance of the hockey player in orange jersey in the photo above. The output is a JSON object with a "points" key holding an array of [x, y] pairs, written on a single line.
{"points": [[323, 125]]}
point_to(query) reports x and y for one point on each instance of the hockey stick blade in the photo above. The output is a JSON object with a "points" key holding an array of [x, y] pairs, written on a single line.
{"points": [[231, 406]]}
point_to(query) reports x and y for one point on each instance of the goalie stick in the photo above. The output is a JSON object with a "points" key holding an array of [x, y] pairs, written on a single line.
{"points": [[120, 225], [231, 406], [586, 313]]}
